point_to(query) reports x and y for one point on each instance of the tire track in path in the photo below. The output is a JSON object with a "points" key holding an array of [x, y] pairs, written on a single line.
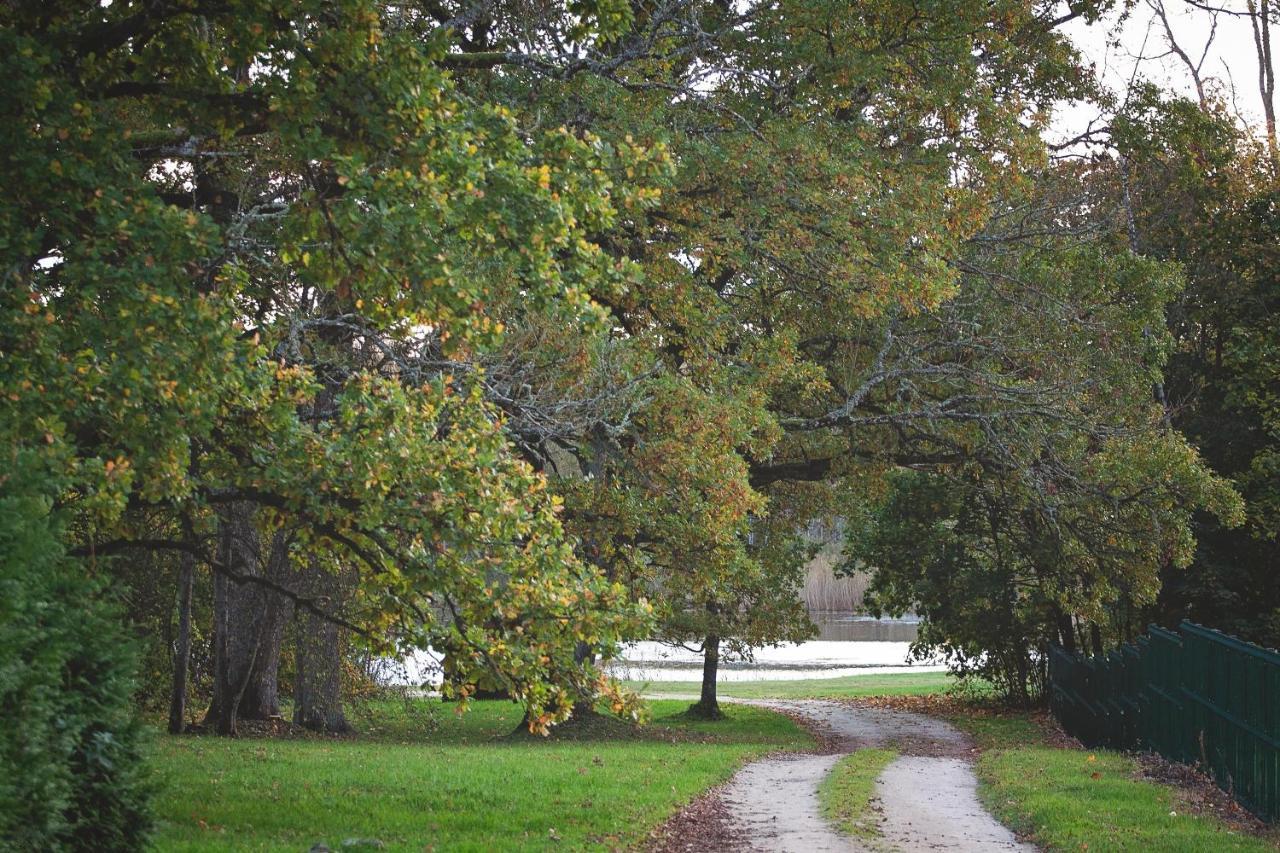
{"points": [[927, 797]]}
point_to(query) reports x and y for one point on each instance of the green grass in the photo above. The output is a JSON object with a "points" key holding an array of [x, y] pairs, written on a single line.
{"points": [[421, 778], [897, 684], [1065, 799], [1075, 799], [847, 791], [992, 729]]}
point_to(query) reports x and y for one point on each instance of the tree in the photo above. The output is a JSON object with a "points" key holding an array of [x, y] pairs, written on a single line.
{"points": [[248, 623], [1050, 505], [320, 656], [1199, 194], [182, 647], [198, 193], [800, 214], [476, 326]]}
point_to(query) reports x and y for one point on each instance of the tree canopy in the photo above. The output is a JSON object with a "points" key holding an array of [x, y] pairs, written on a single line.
{"points": [[519, 332]]}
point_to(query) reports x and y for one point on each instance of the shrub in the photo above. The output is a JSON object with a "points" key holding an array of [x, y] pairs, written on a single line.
{"points": [[71, 776]]}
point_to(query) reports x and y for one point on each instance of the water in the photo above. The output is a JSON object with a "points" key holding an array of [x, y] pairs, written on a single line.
{"points": [[842, 628], [845, 645]]}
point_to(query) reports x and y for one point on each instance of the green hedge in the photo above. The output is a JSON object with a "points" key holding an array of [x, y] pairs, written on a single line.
{"points": [[71, 776]]}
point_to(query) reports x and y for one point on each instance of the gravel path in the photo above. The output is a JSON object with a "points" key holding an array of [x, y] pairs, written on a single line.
{"points": [[927, 796], [932, 803], [774, 802]]}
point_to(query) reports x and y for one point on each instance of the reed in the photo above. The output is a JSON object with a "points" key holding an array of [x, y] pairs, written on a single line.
{"points": [[824, 591]]}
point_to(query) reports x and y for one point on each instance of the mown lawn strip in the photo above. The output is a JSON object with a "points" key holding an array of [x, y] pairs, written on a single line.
{"points": [[1067, 798], [849, 788], [460, 784]]}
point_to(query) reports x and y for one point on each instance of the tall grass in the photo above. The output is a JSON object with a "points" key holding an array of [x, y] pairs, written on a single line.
{"points": [[824, 591]]}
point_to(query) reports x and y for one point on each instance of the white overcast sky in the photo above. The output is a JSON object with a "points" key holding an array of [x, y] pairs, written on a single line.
{"points": [[1119, 44]]}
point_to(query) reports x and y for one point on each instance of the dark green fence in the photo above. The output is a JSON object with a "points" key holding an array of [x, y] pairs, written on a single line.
{"points": [[1194, 695]]}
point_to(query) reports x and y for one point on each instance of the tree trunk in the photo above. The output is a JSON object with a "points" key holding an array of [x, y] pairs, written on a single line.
{"points": [[707, 706], [182, 649], [318, 684], [583, 706], [261, 700], [1095, 639], [1260, 19], [1066, 631], [248, 625], [230, 663], [1023, 668]]}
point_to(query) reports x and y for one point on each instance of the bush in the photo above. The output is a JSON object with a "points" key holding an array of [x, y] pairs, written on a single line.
{"points": [[71, 776], [983, 605]]}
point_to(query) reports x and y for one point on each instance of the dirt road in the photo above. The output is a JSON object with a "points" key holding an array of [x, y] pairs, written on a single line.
{"points": [[927, 797]]}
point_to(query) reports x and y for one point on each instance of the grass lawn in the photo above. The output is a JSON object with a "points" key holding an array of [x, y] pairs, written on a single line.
{"points": [[1075, 799], [846, 793], [896, 684], [420, 778]]}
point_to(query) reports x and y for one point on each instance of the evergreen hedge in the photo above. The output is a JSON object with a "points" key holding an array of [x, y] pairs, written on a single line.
{"points": [[71, 772]]}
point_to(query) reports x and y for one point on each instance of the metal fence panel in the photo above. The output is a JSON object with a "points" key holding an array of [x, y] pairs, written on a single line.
{"points": [[1194, 695]]}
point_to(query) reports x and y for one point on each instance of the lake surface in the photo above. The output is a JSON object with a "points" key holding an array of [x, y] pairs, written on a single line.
{"points": [[845, 645]]}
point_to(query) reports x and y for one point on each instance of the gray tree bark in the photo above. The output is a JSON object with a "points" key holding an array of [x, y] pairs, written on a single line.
{"points": [[321, 643], [708, 705], [249, 621], [182, 646]]}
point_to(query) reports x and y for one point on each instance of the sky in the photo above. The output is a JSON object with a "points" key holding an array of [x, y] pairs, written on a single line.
{"points": [[1124, 45]]}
